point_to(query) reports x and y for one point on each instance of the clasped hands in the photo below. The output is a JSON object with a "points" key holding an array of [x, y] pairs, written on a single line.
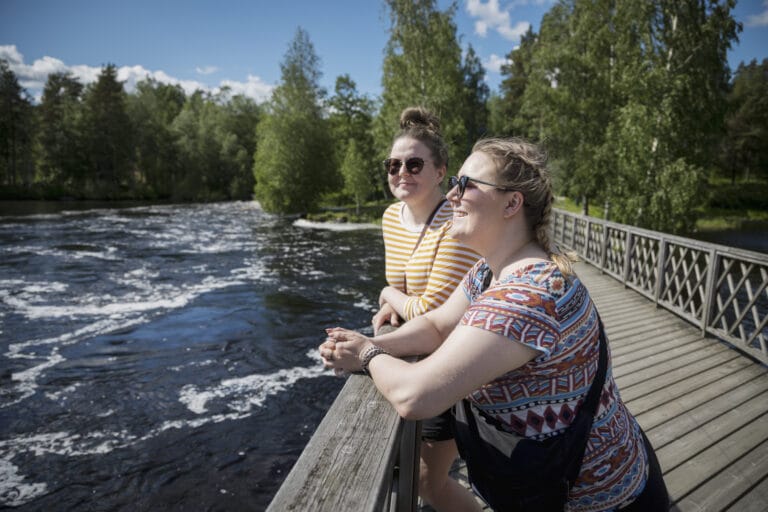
{"points": [[341, 350]]}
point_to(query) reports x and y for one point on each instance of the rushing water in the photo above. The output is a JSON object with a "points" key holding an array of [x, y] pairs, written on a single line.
{"points": [[163, 357]]}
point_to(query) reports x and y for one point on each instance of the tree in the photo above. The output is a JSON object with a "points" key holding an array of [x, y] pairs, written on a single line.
{"points": [[672, 76], [351, 119], [294, 156], [108, 134], [630, 97], [507, 118], [152, 110], [475, 102], [63, 161], [357, 181], [16, 128], [745, 149], [422, 66]]}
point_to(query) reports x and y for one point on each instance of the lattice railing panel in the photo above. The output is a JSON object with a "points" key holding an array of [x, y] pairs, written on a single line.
{"points": [[579, 235], [615, 251], [594, 251], [643, 263], [729, 301], [741, 303], [685, 277]]}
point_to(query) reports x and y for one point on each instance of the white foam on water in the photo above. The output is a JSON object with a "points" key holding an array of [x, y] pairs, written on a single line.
{"points": [[14, 491], [334, 226], [241, 396], [243, 393]]}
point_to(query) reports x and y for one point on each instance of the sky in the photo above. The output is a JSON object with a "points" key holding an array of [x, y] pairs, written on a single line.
{"points": [[241, 43]]}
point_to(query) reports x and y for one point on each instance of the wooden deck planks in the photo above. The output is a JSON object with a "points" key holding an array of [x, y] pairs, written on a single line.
{"points": [[703, 404]]}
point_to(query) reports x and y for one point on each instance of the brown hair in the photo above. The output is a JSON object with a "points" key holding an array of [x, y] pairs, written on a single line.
{"points": [[424, 126], [521, 166]]}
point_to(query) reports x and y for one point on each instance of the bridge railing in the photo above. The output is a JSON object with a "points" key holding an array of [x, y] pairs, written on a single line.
{"points": [[721, 289], [362, 457]]}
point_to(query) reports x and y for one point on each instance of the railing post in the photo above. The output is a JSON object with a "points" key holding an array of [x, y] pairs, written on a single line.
{"points": [[627, 258], [587, 238], [406, 484], [662, 255], [709, 291], [573, 234], [604, 250]]}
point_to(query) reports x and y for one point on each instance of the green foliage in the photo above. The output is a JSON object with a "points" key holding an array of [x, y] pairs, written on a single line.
{"points": [[475, 101], [108, 135], [630, 99], [422, 66], [357, 178], [294, 157], [152, 110], [62, 156], [351, 119], [745, 148], [16, 129], [507, 118]]}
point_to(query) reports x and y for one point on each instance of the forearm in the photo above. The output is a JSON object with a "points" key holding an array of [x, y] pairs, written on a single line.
{"points": [[395, 298], [416, 337]]}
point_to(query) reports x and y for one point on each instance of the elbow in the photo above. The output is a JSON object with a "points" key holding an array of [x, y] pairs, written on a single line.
{"points": [[413, 407]]}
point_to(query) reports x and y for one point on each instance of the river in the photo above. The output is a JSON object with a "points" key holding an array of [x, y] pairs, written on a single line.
{"points": [[163, 357]]}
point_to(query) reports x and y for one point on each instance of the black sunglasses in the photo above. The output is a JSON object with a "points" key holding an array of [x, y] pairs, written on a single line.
{"points": [[462, 181], [413, 165]]}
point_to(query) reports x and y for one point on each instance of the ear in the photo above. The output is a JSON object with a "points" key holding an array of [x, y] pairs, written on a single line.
{"points": [[514, 204], [441, 172]]}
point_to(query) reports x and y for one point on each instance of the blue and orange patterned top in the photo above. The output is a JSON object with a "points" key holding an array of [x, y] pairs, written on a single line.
{"points": [[539, 307]]}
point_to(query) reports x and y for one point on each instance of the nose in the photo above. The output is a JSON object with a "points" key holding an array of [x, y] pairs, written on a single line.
{"points": [[453, 193]]}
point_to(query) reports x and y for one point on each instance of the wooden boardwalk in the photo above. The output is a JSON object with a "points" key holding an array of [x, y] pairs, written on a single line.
{"points": [[703, 405]]}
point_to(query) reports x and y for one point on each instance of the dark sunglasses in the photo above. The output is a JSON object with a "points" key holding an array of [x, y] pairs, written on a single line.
{"points": [[461, 182], [413, 165]]}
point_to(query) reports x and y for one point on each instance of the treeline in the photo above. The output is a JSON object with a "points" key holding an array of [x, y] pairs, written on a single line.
{"points": [[635, 102]]}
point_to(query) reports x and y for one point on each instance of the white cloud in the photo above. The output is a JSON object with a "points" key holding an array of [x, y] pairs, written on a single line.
{"points": [[516, 32], [758, 20], [495, 62], [33, 76], [254, 88], [491, 16], [207, 70]]}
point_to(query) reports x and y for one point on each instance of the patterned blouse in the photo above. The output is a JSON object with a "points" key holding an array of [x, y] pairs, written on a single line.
{"points": [[539, 307], [431, 273]]}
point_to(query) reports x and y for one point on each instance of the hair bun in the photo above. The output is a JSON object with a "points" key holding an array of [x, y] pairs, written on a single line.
{"points": [[419, 117]]}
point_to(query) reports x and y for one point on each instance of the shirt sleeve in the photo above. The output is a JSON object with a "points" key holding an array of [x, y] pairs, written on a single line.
{"points": [[451, 261], [518, 311]]}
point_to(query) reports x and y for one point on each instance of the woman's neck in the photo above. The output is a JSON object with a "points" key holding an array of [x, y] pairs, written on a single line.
{"points": [[514, 253], [418, 212]]}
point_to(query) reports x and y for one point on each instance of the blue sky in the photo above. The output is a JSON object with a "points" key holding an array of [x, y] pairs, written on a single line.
{"points": [[240, 43]]}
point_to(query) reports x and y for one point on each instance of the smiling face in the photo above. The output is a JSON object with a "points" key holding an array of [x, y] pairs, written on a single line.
{"points": [[481, 206], [409, 187]]}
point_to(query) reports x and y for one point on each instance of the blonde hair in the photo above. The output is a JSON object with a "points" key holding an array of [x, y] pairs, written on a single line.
{"points": [[521, 166], [424, 126]]}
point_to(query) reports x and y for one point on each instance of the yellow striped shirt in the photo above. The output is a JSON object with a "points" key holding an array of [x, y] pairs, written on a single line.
{"points": [[430, 274]]}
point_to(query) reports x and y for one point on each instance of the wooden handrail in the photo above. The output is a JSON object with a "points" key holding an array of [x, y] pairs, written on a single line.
{"points": [[362, 457]]}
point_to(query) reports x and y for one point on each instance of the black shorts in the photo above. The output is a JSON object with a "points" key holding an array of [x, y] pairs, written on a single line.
{"points": [[439, 428]]}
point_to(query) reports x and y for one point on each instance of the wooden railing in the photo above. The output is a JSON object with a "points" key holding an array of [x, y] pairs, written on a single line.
{"points": [[721, 289], [364, 457]]}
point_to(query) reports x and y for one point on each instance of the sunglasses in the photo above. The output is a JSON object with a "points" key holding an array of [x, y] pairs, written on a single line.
{"points": [[461, 182], [413, 165]]}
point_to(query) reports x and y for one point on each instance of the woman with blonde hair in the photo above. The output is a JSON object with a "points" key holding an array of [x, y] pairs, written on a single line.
{"points": [[519, 347]]}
